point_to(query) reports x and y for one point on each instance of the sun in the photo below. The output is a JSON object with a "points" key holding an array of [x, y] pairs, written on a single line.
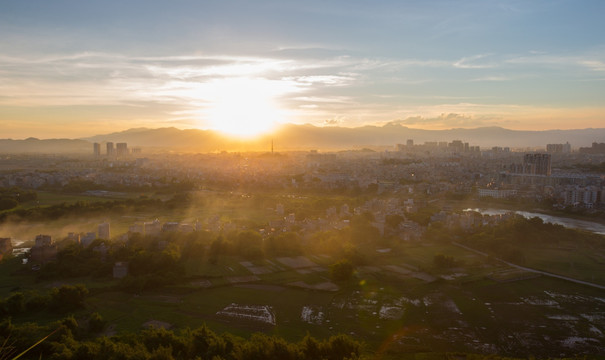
{"points": [[243, 107]]}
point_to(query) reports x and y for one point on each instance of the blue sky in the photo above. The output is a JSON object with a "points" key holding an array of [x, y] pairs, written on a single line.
{"points": [[77, 68]]}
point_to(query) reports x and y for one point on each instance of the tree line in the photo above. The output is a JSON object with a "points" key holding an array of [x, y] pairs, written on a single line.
{"points": [[11, 197], [70, 340]]}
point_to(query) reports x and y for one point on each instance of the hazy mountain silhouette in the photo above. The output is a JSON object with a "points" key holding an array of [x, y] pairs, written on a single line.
{"points": [[305, 137], [53, 146], [392, 133]]}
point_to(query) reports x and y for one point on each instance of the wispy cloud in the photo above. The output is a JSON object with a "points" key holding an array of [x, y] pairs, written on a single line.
{"points": [[325, 99], [491, 78], [596, 65], [450, 120], [474, 62], [344, 89], [589, 61], [329, 80]]}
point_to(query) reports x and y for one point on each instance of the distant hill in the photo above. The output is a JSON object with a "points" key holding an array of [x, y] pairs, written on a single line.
{"points": [[305, 137], [48, 146]]}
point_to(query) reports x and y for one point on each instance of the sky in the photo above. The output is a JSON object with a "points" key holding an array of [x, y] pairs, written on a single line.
{"points": [[80, 68]]}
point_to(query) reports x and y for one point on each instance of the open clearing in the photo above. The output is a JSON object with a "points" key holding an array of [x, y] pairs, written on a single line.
{"points": [[399, 298]]}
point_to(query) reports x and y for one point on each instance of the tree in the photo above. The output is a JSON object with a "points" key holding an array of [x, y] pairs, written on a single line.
{"points": [[284, 244], [250, 244], [310, 347], [342, 270], [15, 303], [216, 249], [444, 261], [68, 297], [8, 203], [393, 221], [95, 322]]}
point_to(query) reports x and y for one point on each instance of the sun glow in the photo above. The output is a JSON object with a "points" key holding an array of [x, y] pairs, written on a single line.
{"points": [[244, 107]]}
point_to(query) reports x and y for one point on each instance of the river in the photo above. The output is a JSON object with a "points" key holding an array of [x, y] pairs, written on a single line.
{"points": [[567, 222]]}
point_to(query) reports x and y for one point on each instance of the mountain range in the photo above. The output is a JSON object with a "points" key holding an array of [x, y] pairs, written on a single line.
{"points": [[306, 137]]}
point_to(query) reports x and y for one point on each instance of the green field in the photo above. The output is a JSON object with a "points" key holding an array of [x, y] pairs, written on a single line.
{"points": [[395, 312], [398, 300], [578, 263]]}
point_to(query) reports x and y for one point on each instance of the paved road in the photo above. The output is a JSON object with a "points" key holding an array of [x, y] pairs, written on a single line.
{"points": [[534, 270]]}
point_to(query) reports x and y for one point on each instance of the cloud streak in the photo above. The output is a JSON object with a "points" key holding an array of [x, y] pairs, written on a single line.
{"points": [[323, 87]]}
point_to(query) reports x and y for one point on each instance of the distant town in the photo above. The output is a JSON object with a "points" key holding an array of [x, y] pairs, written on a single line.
{"points": [[397, 236]]}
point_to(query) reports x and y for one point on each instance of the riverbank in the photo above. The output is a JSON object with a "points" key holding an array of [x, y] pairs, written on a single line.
{"points": [[571, 223], [515, 205]]}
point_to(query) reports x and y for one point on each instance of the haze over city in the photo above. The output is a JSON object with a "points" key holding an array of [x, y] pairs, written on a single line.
{"points": [[302, 180], [77, 69]]}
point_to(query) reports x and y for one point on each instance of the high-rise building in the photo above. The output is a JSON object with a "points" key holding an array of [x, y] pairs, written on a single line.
{"points": [[537, 164], [558, 148], [456, 146], [110, 149], [43, 240], [122, 149], [597, 148], [88, 239], [567, 148], [409, 143], [96, 148], [104, 231], [43, 250]]}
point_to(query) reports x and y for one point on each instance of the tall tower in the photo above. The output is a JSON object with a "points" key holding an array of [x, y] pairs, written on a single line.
{"points": [[122, 149], [110, 149], [96, 148], [104, 231], [537, 164]]}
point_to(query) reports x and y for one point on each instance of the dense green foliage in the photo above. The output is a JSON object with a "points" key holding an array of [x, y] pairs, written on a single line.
{"points": [[73, 342], [58, 300], [444, 261], [85, 208], [11, 197], [342, 270], [508, 239], [75, 186]]}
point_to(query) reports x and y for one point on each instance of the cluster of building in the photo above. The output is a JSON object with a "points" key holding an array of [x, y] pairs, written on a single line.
{"points": [[44, 249], [407, 177], [533, 164], [119, 174], [87, 238], [559, 148], [534, 178], [596, 148], [155, 227], [585, 196], [120, 149], [432, 147], [432, 168]]}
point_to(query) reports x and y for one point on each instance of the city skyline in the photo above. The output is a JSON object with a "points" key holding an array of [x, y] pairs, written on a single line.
{"points": [[72, 69]]}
